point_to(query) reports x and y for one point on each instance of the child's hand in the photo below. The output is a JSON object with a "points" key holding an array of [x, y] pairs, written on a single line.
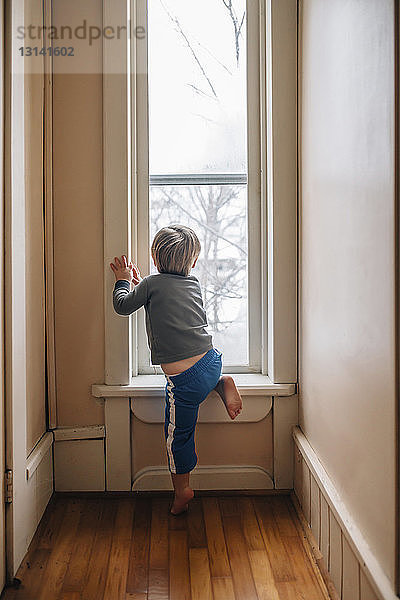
{"points": [[123, 270]]}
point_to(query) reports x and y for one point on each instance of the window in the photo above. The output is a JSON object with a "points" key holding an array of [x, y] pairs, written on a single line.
{"points": [[257, 171], [200, 163]]}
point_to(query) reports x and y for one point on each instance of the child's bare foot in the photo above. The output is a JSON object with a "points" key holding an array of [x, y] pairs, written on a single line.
{"points": [[229, 393], [180, 504]]}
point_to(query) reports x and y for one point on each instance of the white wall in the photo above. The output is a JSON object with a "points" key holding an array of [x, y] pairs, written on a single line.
{"points": [[347, 280]]}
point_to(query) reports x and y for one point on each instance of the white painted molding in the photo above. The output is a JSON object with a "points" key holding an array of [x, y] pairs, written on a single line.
{"points": [[208, 477], [3, 292], [18, 522], [279, 185], [353, 535], [285, 416], [79, 433], [117, 414], [250, 384], [38, 453], [212, 410], [49, 229], [117, 187]]}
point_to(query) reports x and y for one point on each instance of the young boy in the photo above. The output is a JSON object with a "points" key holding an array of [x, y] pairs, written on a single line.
{"points": [[176, 329]]}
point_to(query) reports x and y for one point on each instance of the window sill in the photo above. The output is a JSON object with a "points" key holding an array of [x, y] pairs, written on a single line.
{"points": [[249, 384]]}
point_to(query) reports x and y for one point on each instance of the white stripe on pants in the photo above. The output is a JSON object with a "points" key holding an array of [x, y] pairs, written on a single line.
{"points": [[171, 424]]}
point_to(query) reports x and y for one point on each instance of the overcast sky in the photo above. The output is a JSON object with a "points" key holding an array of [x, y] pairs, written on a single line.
{"points": [[203, 130]]}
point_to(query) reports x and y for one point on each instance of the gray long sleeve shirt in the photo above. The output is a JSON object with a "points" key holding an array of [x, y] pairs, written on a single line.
{"points": [[175, 317]]}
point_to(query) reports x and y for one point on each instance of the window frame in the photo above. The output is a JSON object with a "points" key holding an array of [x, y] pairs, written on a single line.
{"points": [[125, 178]]}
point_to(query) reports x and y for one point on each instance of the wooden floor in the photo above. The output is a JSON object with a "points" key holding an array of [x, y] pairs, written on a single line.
{"points": [[248, 548]]}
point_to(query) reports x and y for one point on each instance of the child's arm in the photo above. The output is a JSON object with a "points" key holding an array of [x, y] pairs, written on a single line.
{"points": [[125, 301]]}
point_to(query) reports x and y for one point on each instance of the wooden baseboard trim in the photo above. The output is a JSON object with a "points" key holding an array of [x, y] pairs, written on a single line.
{"points": [[168, 494], [206, 477], [369, 566]]}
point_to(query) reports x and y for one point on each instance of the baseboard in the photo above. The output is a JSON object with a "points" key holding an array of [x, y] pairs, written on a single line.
{"points": [[345, 558], [224, 477], [169, 494], [40, 475]]}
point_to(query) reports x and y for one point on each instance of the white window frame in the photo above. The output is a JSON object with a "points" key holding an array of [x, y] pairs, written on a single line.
{"points": [[124, 182]]}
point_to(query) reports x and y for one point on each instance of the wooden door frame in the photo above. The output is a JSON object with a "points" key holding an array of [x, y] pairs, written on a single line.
{"points": [[14, 265]]}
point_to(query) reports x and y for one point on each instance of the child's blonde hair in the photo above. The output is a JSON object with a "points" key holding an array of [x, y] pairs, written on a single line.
{"points": [[174, 249]]}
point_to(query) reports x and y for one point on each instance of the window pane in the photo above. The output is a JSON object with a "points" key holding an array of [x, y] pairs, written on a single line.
{"points": [[218, 214], [197, 86]]}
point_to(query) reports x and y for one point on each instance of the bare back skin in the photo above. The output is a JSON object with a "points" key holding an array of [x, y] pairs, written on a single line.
{"points": [[174, 368]]}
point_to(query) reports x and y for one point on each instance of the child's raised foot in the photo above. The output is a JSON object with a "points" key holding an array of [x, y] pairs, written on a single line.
{"points": [[181, 501], [229, 393]]}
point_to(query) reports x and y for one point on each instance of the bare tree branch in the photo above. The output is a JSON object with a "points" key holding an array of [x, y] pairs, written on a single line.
{"points": [[189, 45], [236, 25], [200, 92], [202, 224], [214, 57]]}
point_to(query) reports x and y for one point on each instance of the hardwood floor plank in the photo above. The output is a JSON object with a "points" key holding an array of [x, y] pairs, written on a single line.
{"points": [[76, 573], [177, 522], [179, 582], [287, 591], [277, 554], [138, 573], [200, 579], [237, 552], [93, 588], [283, 516], [159, 534], [52, 520], [217, 552], [263, 575], [311, 553], [250, 528], [223, 588], [125, 548], [229, 506], [158, 584], [59, 558], [31, 575], [195, 524], [158, 558], [34, 563], [70, 596], [115, 588], [305, 582]]}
